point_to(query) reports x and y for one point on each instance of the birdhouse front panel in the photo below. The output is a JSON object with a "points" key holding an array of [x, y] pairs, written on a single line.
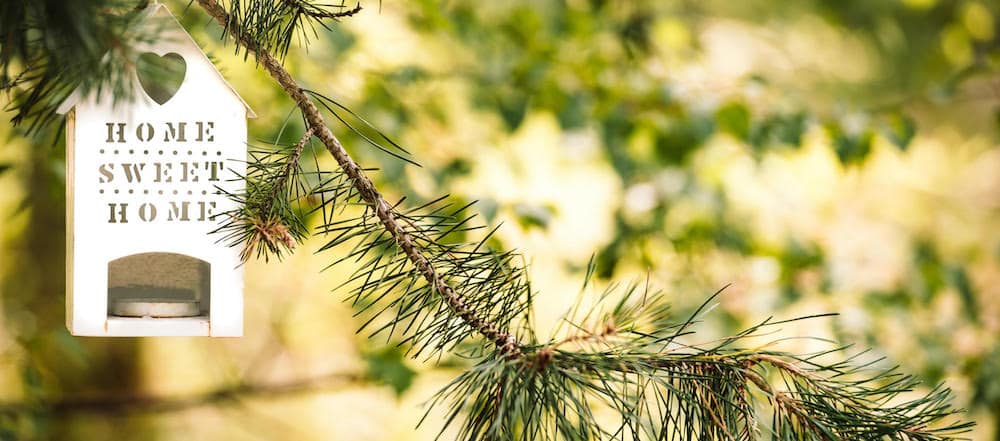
{"points": [[146, 182]]}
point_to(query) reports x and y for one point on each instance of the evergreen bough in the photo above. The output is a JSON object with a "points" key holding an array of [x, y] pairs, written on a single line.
{"points": [[626, 369]]}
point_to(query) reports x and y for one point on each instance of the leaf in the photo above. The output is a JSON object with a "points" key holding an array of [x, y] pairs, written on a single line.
{"points": [[7, 434], [779, 129], [512, 107], [386, 366], [851, 148], [900, 130], [31, 378], [996, 118], [959, 279], [407, 75], [681, 136], [73, 349], [455, 168], [530, 216], [340, 40], [734, 118], [574, 111]]}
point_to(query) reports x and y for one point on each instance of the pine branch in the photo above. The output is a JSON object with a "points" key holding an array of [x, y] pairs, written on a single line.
{"points": [[387, 216], [632, 360]]}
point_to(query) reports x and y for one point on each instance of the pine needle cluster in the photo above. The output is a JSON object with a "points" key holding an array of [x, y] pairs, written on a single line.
{"points": [[632, 376], [267, 222], [275, 24], [49, 48]]}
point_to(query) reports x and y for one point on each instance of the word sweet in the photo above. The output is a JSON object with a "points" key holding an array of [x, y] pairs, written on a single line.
{"points": [[146, 182]]}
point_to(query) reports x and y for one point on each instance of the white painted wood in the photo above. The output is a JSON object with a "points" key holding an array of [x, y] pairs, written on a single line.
{"points": [[158, 327], [140, 167]]}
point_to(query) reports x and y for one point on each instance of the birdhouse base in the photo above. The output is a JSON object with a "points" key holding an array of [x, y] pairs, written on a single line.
{"points": [[157, 327]]}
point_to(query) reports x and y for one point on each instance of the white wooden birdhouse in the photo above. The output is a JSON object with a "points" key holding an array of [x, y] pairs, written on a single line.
{"points": [[143, 181]]}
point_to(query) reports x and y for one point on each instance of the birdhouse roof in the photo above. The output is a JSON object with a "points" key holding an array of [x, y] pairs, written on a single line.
{"points": [[161, 11]]}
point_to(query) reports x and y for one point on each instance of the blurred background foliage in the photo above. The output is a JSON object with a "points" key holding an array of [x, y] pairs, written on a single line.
{"points": [[820, 155]]}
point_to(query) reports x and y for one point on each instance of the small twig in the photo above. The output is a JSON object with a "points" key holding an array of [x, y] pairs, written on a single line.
{"points": [[286, 173], [786, 367], [609, 330], [715, 417], [781, 399], [269, 226], [316, 12]]}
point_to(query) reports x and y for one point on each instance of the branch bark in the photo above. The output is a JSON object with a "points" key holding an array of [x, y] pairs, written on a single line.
{"points": [[504, 341]]}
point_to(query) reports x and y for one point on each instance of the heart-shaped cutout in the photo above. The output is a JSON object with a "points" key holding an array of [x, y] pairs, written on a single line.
{"points": [[160, 77]]}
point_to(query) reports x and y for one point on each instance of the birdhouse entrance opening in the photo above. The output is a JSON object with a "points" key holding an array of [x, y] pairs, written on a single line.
{"points": [[159, 285]]}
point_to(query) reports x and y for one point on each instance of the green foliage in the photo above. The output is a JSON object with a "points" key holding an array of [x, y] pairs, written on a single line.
{"points": [[491, 283], [851, 146], [636, 363], [585, 63], [270, 219], [160, 76], [959, 279], [51, 48], [530, 216], [779, 129], [734, 118], [680, 136], [900, 130], [985, 372], [415, 280], [387, 366]]}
